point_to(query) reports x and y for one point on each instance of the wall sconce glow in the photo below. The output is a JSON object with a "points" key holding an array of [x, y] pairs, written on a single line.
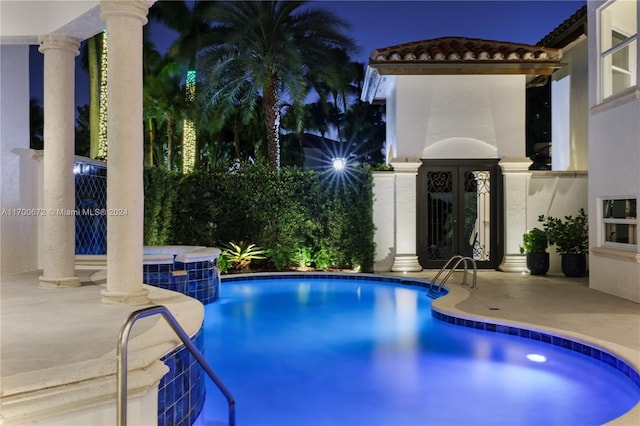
{"points": [[339, 163], [536, 358]]}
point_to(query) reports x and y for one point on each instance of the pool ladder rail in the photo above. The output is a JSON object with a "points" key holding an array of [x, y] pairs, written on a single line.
{"points": [[458, 259], [122, 360]]}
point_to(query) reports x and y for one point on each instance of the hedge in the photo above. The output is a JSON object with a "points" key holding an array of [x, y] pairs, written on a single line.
{"points": [[302, 218]]}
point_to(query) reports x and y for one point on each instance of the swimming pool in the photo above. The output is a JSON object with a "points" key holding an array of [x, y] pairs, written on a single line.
{"points": [[328, 351]]}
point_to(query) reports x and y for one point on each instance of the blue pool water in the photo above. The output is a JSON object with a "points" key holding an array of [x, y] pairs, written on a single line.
{"points": [[307, 352]]}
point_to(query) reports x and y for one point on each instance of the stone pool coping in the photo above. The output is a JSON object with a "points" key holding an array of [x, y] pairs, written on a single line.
{"points": [[79, 376]]}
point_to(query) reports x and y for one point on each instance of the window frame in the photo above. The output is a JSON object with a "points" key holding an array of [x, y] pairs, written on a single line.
{"points": [[632, 221], [606, 69]]}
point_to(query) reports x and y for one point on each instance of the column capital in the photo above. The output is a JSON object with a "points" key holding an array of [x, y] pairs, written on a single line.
{"points": [[59, 41], [406, 166], [515, 165], [133, 8]]}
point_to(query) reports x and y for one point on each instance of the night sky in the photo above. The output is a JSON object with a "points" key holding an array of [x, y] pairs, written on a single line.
{"points": [[378, 24]]}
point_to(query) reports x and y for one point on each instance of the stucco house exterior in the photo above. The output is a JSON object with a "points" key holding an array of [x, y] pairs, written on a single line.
{"points": [[456, 140], [614, 146]]}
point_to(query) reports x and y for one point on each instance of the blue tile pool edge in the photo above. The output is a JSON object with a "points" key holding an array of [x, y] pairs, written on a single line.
{"points": [[592, 351], [182, 391], [573, 345]]}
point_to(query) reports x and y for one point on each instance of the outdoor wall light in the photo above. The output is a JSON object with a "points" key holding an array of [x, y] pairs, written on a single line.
{"points": [[339, 163]]}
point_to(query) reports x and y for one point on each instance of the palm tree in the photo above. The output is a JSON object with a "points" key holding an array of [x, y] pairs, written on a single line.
{"points": [[163, 100], [91, 60], [269, 48], [335, 91], [194, 33]]}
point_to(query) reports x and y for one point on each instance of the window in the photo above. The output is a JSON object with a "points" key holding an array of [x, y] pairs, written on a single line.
{"points": [[618, 47], [619, 217]]}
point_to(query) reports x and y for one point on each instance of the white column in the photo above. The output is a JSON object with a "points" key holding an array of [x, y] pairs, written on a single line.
{"points": [[59, 239], [516, 176], [125, 195], [405, 259]]}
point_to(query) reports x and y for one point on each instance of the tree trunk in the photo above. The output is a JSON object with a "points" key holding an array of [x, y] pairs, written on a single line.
{"points": [[94, 96], [271, 105], [103, 149]]}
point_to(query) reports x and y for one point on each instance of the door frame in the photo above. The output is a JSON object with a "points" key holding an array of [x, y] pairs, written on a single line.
{"points": [[496, 204]]}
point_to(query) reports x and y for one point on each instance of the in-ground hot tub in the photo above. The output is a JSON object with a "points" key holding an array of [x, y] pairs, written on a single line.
{"points": [[190, 270]]}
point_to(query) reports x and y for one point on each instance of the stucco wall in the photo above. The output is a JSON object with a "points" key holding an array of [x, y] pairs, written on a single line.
{"points": [[569, 121], [548, 193], [18, 187], [614, 172], [460, 116], [555, 194], [614, 159], [384, 220], [391, 120]]}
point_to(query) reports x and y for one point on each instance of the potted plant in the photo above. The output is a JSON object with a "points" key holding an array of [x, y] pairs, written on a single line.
{"points": [[571, 238], [534, 244]]}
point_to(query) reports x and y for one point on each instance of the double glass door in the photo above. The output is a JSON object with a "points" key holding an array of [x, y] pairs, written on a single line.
{"points": [[457, 211]]}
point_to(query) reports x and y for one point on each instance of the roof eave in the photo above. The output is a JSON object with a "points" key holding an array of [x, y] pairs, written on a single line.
{"points": [[456, 68]]}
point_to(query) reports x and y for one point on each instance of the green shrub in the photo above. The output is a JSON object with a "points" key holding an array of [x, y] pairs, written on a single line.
{"points": [[160, 195], [281, 211], [239, 256], [302, 257], [534, 241], [570, 235], [323, 259]]}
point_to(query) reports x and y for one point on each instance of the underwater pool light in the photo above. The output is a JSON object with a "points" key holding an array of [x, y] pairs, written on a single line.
{"points": [[536, 358]]}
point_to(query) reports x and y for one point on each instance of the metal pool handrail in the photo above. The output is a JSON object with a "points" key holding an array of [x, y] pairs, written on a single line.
{"points": [[460, 259], [122, 360]]}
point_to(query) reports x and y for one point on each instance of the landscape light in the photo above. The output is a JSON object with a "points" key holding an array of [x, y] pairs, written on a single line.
{"points": [[339, 163]]}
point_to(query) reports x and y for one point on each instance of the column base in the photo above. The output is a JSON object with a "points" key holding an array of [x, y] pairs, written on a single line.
{"points": [[514, 263], [129, 298], [48, 282], [406, 263]]}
